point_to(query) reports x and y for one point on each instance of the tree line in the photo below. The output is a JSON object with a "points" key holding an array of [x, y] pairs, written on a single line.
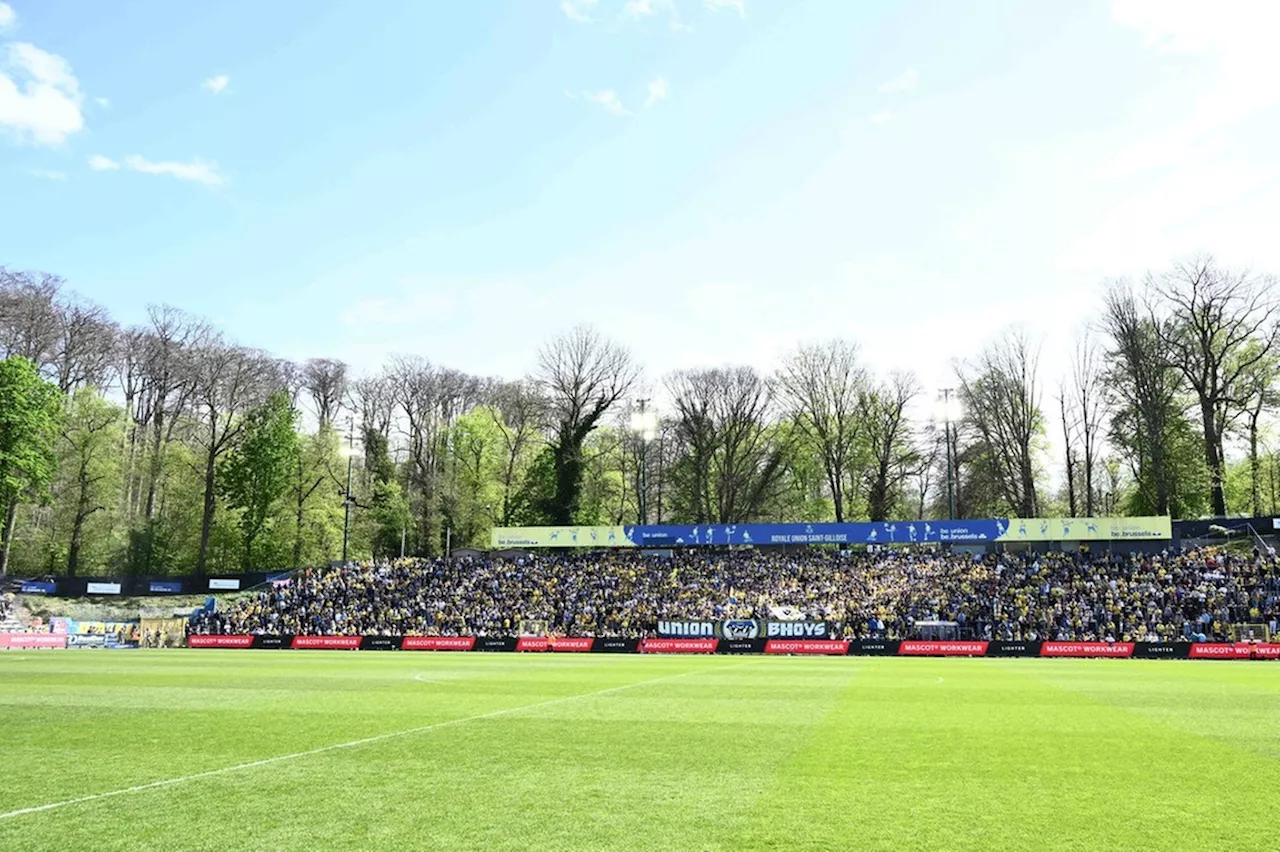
{"points": [[167, 448]]}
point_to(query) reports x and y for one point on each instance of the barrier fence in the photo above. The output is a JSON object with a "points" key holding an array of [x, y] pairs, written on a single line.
{"points": [[756, 645]]}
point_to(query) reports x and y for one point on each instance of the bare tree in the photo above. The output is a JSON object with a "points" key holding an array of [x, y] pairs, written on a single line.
{"points": [[229, 381], [29, 319], [883, 411], [519, 410], [821, 387], [731, 464], [583, 376], [1146, 388], [1089, 400], [83, 352], [1001, 394], [325, 380], [1256, 393], [1214, 314], [1070, 426]]}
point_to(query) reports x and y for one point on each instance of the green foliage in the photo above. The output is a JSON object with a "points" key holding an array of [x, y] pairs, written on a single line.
{"points": [[258, 472], [30, 418]]}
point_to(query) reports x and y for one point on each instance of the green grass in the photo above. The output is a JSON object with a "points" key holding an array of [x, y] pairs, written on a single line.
{"points": [[684, 753]]}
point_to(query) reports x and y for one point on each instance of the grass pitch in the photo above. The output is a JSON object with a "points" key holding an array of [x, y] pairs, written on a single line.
{"points": [[224, 750]]}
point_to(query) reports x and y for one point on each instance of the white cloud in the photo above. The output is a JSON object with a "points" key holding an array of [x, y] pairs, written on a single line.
{"points": [[578, 10], [639, 8], [39, 95], [880, 117], [717, 5], [608, 99], [657, 91], [904, 82], [47, 174], [105, 103], [8, 17], [216, 85], [198, 171], [1229, 42]]}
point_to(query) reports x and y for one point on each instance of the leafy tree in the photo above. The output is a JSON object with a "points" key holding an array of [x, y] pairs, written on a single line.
{"points": [[30, 418], [259, 471], [89, 466]]}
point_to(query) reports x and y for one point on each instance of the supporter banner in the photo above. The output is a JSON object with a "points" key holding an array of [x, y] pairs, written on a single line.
{"points": [[164, 588], [678, 646], [381, 643], [893, 532], [227, 641], [33, 640], [874, 647], [942, 649], [741, 646], [102, 588], [798, 630], [739, 629], [272, 641], [224, 585], [1234, 651], [30, 587], [438, 643], [615, 645], [807, 646], [686, 629], [1089, 529], [1013, 649], [1087, 649], [506, 538], [1162, 650], [494, 643]]}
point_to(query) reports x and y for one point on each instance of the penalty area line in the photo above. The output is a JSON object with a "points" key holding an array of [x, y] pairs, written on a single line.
{"points": [[363, 741]]}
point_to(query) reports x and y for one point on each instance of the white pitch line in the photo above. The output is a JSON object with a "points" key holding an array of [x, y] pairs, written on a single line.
{"points": [[169, 782]]}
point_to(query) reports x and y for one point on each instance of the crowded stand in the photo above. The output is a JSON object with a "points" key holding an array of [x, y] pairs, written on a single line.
{"points": [[1194, 596]]}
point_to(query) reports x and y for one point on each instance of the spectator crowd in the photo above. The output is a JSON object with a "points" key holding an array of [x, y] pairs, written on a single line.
{"points": [[1192, 596]]}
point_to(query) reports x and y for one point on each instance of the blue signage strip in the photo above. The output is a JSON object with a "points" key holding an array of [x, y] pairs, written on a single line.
{"points": [[35, 588], [891, 532], [163, 588]]}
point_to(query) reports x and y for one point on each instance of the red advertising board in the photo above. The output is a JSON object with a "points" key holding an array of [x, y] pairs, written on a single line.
{"points": [[326, 643], [33, 640], [1086, 649], [229, 641], [679, 646], [533, 643], [1236, 651], [572, 644], [942, 649], [438, 643], [807, 646]]}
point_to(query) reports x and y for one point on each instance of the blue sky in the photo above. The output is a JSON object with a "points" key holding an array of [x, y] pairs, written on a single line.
{"points": [[707, 181]]}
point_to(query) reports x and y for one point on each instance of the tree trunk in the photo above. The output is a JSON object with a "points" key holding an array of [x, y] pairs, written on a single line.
{"points": [[1213, 460], [10, 520], [206, 519], [1255, 464]]}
